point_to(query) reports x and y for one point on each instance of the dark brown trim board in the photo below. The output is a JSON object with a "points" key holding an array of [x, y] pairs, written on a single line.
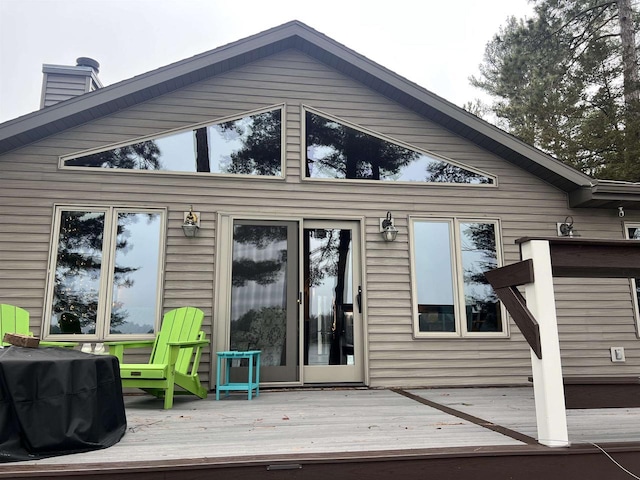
{"points": [[470, 418], [517, 306], [592, 258], [595, 395], [600, 392], [504, 281], [584, 462]]}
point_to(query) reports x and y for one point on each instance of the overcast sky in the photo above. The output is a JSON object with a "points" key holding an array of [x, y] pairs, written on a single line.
{"points": [[435, 44]]}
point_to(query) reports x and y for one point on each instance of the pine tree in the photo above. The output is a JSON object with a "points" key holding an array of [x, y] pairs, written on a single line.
{"points": [[566, 81]]}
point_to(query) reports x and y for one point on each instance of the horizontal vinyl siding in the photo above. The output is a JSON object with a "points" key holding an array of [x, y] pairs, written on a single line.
{"points": [[593, 314], [62, 87]]}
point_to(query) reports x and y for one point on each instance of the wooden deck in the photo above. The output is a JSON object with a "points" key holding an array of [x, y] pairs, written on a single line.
{"points": [[311, 433]]}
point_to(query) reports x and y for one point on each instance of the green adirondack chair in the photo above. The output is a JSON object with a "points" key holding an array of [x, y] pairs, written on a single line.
{"points": [[174, 360], [16, 320], [13, 320]]}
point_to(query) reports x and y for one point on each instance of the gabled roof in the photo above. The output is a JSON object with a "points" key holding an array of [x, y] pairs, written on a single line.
{"points": [[70, 113]]}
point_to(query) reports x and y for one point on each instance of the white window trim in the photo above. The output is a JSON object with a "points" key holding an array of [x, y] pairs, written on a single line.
{"points": [[458, 280], [633, 283], [106, 284]]}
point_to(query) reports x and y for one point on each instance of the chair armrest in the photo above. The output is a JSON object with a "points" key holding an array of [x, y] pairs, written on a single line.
{"points": [[116, 348], [130, 343], [175, 347], [195, 343]]}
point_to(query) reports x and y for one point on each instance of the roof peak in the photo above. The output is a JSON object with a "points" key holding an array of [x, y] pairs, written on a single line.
{"points": [[298, 35]]}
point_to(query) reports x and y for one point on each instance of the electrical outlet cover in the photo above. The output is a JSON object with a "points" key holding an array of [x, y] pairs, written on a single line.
{"points": [[617, 354]]}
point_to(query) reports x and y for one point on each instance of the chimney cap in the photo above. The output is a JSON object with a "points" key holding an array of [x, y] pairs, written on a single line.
{"points": [[88, 62]]}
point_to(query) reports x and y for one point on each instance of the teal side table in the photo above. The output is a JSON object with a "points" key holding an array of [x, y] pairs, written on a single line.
{"points": [[253, 380]]}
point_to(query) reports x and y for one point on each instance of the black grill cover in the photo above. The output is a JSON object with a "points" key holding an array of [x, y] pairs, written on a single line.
{"points": [[57, 401]]}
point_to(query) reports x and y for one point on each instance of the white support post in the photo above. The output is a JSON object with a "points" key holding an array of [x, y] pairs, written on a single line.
{"points": [[551, 415]]}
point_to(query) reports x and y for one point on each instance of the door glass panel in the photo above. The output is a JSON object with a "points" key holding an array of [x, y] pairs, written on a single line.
{"points": [[259, 291], [329, 335]]}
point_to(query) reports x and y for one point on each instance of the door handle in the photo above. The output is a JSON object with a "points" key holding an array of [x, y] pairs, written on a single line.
{"points": [[359, 299]]}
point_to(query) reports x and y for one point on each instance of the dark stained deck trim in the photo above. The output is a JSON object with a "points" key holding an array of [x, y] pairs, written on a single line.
{"points": [[526, 462], [597, 260], [592, 258], [587, 392], [504, 281], [512, 275], [470, 418], [517, 307]]}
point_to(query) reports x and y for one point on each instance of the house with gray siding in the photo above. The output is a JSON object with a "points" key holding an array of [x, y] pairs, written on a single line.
{"points": [[338, 217]]}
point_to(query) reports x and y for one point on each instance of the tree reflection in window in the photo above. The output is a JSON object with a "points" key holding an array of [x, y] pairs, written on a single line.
{"points": [[447, 250], [139, 156], [80, 269], [251, 145], [337, 151], [328, 280], [478, 244]]}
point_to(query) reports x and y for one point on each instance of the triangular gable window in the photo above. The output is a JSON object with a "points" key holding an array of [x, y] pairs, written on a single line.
{"points": [[251, 145], [337, 151]]}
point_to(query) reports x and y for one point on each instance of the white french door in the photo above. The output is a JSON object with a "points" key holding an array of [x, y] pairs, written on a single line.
{"points": [[292, 289], [332, 302]]}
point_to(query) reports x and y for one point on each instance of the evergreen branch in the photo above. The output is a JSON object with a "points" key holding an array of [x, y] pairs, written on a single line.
{"points": [[602, 6]]}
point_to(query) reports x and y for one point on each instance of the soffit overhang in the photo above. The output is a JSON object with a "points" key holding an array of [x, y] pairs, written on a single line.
{"points": [[607, 194]]}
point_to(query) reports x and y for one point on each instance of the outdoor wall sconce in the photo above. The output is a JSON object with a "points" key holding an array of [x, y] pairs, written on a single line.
{"points": [[565, 229], [621, 211], [387, 229], [191, 223]]}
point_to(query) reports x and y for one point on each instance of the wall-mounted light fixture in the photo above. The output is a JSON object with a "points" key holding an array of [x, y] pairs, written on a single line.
{"points": [[191, 223], [621, 211], [565, 229], [388, 231]]}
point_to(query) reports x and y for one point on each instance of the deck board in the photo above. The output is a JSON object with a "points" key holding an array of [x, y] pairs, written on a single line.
{"points": [[514, 408], [282, 423], [339, 422]]}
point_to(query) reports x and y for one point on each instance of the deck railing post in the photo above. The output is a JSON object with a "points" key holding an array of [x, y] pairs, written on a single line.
{"points": [[551, 416]]}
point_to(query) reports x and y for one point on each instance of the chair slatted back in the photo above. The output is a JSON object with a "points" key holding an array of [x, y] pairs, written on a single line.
{"points": [[179, 325], [13, 320]]}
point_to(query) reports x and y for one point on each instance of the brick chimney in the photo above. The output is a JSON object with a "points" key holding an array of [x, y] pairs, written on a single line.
{"points": [[61, 82]]}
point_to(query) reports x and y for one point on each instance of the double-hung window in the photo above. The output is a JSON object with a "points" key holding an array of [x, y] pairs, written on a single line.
{"points": [[105, 272], [451, 296]]}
